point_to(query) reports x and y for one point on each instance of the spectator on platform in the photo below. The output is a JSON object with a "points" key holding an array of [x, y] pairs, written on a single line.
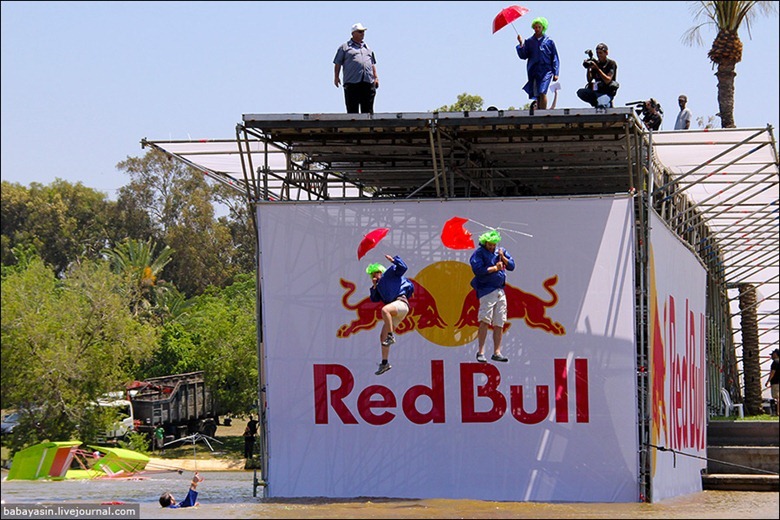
{"points": [[774, 378], [684, 117], [360, 77]]}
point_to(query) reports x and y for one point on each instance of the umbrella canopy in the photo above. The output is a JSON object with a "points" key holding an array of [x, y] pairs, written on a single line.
{"points": [[454, 236], [370, 241], [507, 16]]}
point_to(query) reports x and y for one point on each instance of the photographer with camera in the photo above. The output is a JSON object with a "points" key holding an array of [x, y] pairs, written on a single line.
{"points": [[652, 114], [543, 64], [602, 83], [650, 111]]}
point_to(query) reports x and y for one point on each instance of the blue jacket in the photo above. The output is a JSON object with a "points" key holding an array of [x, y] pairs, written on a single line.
{"points": [[542, 64], [484, 282], [392, 284]]}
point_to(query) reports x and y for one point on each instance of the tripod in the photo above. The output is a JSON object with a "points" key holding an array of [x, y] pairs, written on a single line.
{"points": [[195, 438]]}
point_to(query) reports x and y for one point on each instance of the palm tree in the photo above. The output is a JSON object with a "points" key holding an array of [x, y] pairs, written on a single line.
{"points": [[751, 365], [137, 260], [726, 51]]}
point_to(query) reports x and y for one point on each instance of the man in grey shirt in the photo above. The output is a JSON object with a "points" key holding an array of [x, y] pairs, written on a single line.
{"points": [[360, 77], [684, 117]]}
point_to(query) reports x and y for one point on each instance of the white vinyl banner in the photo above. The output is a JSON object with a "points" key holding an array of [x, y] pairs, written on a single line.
{"points": [[557, 422], [678, 432]]}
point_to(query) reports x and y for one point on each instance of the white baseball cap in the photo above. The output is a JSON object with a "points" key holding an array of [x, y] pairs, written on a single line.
{"points": [[358, 27]]}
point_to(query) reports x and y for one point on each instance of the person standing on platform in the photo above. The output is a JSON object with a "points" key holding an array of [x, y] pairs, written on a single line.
{"points": [[543, 65], [360, 77], [684, 117], [489, 264], [774, 379]]}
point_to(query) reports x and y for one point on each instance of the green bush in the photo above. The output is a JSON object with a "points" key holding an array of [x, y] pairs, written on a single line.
{"points": [[136, 441]]}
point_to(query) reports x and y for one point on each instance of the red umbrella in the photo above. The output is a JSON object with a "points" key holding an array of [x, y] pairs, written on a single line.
{"points": [[507, 16], [370, 241], [454, 236]]}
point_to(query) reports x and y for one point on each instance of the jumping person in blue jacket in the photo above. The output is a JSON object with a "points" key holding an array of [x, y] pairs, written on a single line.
{"points": [[392, 288], [543, 64], [489, 264]]}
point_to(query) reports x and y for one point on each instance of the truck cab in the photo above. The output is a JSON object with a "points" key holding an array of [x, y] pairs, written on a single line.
{"points": [[124, 410]]}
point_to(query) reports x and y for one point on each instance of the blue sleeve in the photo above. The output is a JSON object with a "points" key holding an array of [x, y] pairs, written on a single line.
{"points": [[190, 500], [556, 61], [510, 265], [478, 266], [339, 58], [374, 294], [400, 266], [522, 53]]}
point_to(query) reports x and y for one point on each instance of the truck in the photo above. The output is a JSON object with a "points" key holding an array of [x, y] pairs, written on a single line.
{"points": [[125, 422], [181, 403]]}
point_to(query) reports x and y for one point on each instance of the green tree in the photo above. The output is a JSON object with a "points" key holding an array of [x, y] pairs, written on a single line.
{"points": [[204, 248], [66, 341], [218, 335], [466, 102], [62, 221], [726, 50], [180, 206]]}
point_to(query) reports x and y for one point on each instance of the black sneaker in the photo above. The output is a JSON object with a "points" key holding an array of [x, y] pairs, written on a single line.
{"points": [[389, 340], [499, 357], [383, 367], [481, 358]]}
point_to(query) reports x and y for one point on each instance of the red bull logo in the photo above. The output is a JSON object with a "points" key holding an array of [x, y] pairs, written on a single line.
{"points": [[378, 405], [444, 308]]}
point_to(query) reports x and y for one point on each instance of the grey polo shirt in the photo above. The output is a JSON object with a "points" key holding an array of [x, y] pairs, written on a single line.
{"points": [[358, 62]]}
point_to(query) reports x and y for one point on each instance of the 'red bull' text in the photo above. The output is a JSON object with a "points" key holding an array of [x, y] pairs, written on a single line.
{"points": [[481, 400]]}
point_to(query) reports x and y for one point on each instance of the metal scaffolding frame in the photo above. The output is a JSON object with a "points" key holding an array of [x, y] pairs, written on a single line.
{"points": [[717, 190]]}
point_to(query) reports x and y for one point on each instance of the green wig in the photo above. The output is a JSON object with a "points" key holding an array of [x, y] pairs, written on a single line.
{"points": [[491, 236], [374, 268], [541, 20]]}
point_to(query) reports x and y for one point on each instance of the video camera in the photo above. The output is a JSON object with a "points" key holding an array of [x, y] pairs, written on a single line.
{"points": [[587, 63], [641, 107], [638, 106]]}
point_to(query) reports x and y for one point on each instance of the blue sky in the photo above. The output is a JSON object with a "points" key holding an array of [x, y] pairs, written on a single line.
{"points": [[84, 82]]}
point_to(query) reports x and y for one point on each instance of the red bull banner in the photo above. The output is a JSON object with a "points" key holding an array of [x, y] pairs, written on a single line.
{"points": [[677, 306], [556, 422]]}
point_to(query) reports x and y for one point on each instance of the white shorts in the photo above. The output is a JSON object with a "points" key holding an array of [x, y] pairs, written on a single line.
{"points": [[492, 308], [401, 310]]}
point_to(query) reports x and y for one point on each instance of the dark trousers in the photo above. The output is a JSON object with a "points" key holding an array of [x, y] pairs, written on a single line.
{"points": [[249, 444], [590, 96], [359, 96]]}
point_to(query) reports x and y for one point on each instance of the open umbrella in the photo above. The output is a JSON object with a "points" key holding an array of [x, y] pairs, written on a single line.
{"points": [[507, 16], [454, 236], [370, 240]]}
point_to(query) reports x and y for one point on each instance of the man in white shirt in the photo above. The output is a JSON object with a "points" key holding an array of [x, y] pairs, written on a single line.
{"points": [[684, 117]]}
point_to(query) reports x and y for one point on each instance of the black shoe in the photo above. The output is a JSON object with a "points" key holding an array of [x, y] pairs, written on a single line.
{"points": [[481, 358], [383, 367], [389, 340], [499, 357]]}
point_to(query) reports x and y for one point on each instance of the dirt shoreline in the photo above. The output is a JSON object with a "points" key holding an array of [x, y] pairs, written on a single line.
{"points": [[195, 464]]}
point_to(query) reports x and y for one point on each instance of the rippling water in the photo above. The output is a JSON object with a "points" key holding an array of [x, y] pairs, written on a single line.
{"points": [[228, 495]]}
